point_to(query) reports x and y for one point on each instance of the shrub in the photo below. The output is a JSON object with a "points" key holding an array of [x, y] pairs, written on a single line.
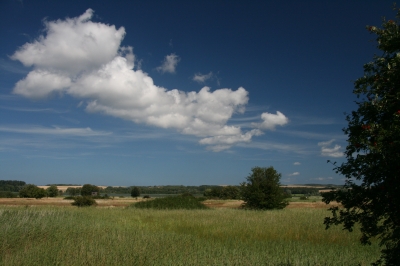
{"points": [[32, 191], [187, 202], [146, 197], [83, 201]]}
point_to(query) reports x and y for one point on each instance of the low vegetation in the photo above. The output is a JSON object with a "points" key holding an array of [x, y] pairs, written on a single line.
{"points": [[131, 236], [185, 201], [83, 201]]}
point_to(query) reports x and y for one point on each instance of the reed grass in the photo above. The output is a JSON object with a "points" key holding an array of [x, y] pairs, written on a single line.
{"points": [[114, 236]]}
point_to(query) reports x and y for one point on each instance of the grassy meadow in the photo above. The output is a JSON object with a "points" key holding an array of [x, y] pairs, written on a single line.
{"points": [[46, 235]]}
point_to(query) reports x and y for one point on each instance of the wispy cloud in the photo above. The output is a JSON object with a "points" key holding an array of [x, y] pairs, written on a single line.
{"points": [[12, 67], [322, 178], [280, 147], [328, 151], [202, 78], [296, 163], [23, 109], [169, 64], [294, 174], [82, 132]]}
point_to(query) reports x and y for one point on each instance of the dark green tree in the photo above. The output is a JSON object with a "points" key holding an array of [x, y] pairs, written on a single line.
{"points": [[73, 191], [262, 190], [52, 191], [32, 191], [230, 192], [135, 192], [88, 189], [371, 195]]}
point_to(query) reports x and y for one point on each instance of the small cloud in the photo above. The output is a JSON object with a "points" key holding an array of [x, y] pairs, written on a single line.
{"points": [[329, 151], [293, 174], [322, 178], [169, 64], [272, 120], [296, 163], [202, 78]]}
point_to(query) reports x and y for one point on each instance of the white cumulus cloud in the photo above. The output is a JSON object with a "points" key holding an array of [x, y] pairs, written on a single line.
{"points": [[270, 121], [327, 150], [84, 59], [169, 64]]}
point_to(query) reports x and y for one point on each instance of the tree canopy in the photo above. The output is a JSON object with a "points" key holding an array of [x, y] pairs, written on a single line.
{"points": [[262, 190], [371, 195], [32, 191]]}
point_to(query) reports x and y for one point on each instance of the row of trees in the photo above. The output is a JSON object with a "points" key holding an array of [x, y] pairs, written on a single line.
{"points": [[33, 191], [11, 185]]}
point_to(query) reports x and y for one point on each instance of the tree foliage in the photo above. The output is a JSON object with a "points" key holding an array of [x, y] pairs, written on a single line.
{"points": [[135, 192], [371, 195], [262, 190], [52, 191], [88, 189], [73, 191], [32, 191], [83, 201]]}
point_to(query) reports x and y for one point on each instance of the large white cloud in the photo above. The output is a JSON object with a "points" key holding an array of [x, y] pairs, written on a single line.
{"points": [[72, 45], [85, 60]]}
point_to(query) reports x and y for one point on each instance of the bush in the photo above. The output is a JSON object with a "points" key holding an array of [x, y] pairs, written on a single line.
{"points": [[83, 201], [32, 191], [187, 202], [7, 194], [146, 197]]}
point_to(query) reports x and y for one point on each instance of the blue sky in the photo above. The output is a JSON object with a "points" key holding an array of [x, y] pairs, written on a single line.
{"points": [[179, 92]]}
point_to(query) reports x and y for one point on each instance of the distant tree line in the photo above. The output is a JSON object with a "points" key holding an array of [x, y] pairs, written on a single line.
{"points": [[170, 189], [11, 185]]}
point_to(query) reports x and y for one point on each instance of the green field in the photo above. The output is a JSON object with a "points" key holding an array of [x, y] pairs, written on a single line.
{"points": [[132, 236]]}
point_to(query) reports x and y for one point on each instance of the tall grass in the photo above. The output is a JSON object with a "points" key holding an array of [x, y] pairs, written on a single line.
{"points": [[131, 236]]}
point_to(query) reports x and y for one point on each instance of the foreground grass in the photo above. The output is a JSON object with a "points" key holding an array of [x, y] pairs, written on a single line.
{"points": [[99, 236]]}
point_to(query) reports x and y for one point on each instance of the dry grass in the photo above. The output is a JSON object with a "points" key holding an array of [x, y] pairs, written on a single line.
{"points": [[116, 202], [124, 202]]}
